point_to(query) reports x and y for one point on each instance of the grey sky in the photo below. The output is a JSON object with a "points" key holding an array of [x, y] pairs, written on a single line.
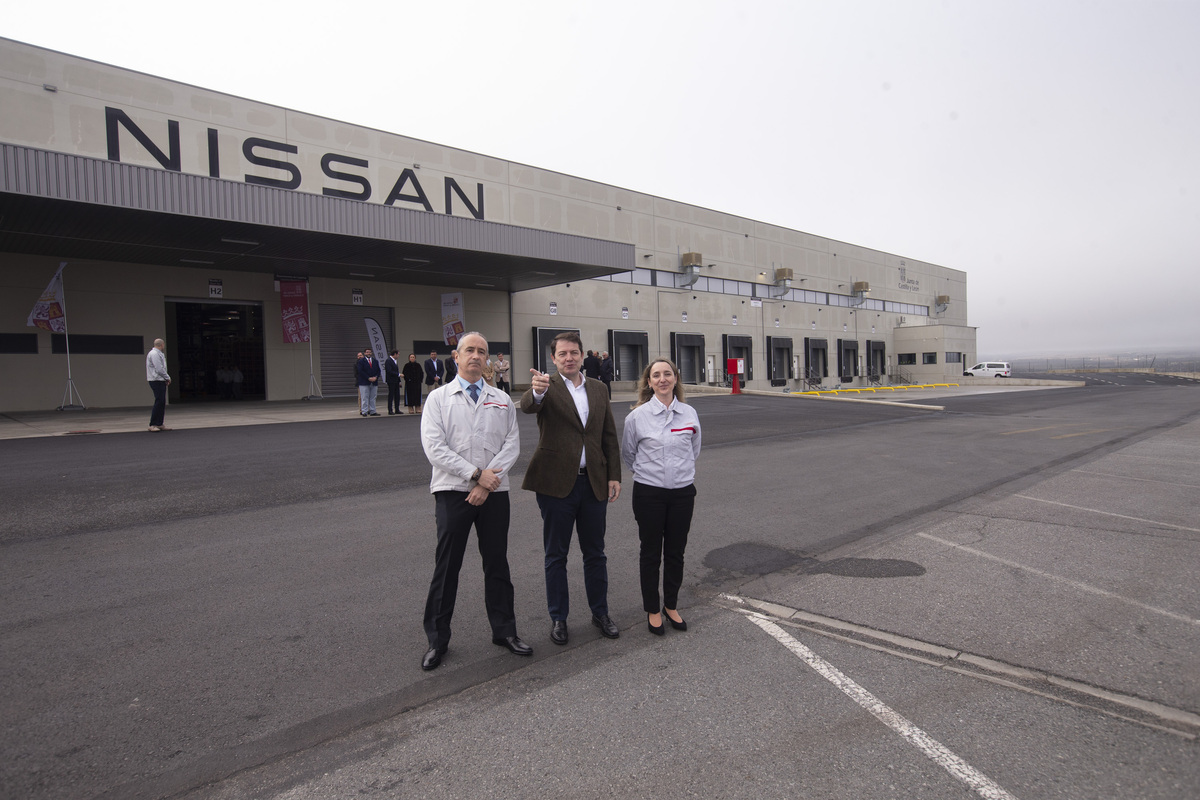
{"points": [[1050, 149]]}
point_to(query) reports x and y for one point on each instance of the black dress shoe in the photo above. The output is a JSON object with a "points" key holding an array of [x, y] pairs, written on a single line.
{"points": [[432, 658], [558, 631], [659, 631], [514, 645], [679, 626], [373, 414], [606, 626]]}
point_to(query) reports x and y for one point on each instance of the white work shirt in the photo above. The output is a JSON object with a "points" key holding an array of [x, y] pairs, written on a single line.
{"points": [[156, 365], [660, 444], [459, 435]]}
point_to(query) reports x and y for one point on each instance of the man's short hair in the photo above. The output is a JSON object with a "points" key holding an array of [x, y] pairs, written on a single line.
{"points": [[474, 333], [567, 336]]}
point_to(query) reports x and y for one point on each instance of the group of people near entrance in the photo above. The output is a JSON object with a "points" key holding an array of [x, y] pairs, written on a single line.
{"points": [[470, 436], [434, 372]]}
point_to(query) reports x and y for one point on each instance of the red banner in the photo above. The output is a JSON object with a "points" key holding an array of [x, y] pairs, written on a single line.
{"points": [[293, 297]]}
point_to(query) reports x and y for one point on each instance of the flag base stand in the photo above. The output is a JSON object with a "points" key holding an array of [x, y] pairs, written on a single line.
{"points": [[312, 384], [69, 397]]}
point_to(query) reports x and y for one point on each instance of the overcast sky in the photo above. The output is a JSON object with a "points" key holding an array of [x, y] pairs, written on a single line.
{"points": [[1050, 149]]}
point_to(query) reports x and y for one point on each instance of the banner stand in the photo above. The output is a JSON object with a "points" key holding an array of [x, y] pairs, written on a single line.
{"points": [[312, 378], [69, 395]]}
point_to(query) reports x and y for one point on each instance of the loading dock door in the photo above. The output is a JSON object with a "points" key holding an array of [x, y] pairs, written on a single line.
{"points": [[847, 359], [687, 351], [738, 347], [816, 359], [629, 351], [779, 354], [876, 359]]}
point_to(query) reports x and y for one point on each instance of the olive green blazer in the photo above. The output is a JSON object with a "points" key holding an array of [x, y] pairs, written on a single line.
{"points": [[554, 467]]}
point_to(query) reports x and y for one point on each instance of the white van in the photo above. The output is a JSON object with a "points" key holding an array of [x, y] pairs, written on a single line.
{"points": [[990, 369]]}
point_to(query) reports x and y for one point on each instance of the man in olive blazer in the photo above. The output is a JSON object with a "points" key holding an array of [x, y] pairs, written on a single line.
{"points": [[576, 472]]}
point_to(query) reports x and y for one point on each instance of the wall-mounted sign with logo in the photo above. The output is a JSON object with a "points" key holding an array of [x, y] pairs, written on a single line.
{"points": [[356, 297], [777, 322], [735, 319], [554, 309], [685, 316], [756, 302], [216, 288], [624, 312]]}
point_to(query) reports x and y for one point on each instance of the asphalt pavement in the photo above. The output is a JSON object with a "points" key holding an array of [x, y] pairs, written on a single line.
{"points": [[993, 593]]}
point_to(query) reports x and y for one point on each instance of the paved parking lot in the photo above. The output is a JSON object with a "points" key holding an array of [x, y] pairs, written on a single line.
{"points": [[882, 601]]}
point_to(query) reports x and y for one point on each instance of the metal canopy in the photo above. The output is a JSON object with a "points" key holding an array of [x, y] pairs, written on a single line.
{"points": [[76, 207]]}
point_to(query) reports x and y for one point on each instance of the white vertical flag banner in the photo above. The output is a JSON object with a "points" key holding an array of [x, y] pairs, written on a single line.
{"points": [[375, 334], [453, 320], [49, 313]]}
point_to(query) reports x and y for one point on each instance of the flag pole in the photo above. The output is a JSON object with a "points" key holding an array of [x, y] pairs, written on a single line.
{"points": [[312, 378], [70, 393]]}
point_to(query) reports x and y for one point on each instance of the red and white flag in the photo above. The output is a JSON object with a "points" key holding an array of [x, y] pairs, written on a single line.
{"points": [[49, 313], [293, 297]]}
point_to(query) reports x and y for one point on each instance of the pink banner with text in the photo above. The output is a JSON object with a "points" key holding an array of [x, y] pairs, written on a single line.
{"points": [[293, 297]]}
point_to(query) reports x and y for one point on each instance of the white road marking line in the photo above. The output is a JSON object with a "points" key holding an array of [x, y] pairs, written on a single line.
{"points": [[933, 749], [1131, 478], [1109, 513], [1077, 584]]}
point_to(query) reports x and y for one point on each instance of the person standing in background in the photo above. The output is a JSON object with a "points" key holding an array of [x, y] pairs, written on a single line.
{"points": [[368, 373], [413, 374], [391, 369], [591, 366], [606, 371], [501, 367], [159, 380], [435, 372]]}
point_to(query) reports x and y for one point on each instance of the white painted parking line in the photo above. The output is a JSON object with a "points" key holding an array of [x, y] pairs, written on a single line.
{"points": [[1060, 579], [933, 749], [1109, 514]]}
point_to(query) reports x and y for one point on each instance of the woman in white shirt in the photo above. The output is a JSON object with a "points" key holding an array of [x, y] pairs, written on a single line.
{"points": [[659, 445]]}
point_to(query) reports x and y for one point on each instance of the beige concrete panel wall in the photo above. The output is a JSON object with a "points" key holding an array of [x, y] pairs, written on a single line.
{"points": [[100, 298]]}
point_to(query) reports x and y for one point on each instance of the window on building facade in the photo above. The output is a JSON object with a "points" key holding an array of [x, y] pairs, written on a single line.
{"points": [[928, 358], [953, 358], [906, 359]]}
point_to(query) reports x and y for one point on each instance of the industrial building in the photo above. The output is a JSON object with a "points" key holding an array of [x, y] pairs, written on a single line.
{"points": [[253, 236]]}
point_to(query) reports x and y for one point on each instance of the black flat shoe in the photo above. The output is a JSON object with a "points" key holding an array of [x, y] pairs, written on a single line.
{"points": [[514, 645], [432, 658], [679, 626], [558, 631], [659, 631]]}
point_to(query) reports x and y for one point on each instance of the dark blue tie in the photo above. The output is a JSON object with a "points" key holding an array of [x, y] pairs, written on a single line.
{"points": [[474, 390]]}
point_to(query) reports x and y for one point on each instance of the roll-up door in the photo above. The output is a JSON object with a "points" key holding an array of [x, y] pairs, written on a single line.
{"points": [[343, 334]]}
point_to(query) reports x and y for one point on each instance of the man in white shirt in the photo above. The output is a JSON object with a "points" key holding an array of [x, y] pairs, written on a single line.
{"points": [[159, 380], [470, 435]]}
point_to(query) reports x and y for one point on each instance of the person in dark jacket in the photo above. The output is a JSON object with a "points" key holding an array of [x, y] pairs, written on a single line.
{"points": [[591, 366], [413, 375], [368, 373], [606, 371], [391, 368]]}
